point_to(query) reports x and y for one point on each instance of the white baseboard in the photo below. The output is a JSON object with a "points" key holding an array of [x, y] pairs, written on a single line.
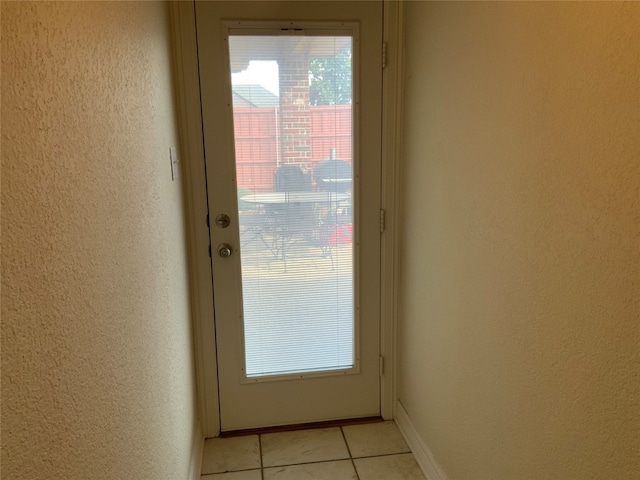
{"points": [[420, 451], [197, 446]]}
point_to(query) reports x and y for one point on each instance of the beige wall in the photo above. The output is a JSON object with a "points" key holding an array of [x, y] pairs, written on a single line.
{"points": [[520, 272], [97, 369]]}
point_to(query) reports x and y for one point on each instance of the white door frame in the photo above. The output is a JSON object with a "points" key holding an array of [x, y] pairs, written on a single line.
{"points": [[192, 156]]}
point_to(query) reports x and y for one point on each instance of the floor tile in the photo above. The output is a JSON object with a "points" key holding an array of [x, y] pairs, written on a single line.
{"points": [[341, 470], [305, 446], [373, 439], [390, 467], [230, 454], [245, 475]]}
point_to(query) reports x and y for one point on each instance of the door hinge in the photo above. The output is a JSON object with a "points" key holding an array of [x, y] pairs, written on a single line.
{"points": [[381, 366], [382, 221], [384, 55]]}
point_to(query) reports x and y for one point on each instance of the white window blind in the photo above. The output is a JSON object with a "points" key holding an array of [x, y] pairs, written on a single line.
{"points": [[293, 128]]}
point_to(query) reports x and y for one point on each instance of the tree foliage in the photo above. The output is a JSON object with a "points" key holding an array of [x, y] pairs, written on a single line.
{"points": [[331, 79]]}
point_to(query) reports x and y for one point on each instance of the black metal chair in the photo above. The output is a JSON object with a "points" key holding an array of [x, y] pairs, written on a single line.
{"points": [[336, 175], [253, 221], [292, 221]]}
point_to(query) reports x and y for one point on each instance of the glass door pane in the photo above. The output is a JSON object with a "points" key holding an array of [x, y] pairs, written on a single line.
{"points": [[292, 113]]}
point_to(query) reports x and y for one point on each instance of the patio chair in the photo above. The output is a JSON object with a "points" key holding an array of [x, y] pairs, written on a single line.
{"points": [[292, 221], [252, 220], [335, 175]]}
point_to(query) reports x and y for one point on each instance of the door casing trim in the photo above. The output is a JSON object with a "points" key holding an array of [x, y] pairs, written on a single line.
{"points": [[392, 102], [189, 118]]}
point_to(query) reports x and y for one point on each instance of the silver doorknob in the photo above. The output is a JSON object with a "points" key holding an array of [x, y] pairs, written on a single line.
{"points": [[225, 250]]}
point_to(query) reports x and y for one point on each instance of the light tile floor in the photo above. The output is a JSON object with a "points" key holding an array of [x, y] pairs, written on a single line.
{"points": [[372, 451]]}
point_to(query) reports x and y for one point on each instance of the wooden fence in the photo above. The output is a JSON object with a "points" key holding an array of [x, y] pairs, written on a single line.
{"points": [[258, 147]]}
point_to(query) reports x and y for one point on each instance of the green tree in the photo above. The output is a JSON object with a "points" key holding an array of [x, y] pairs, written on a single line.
{"points": [[331, 79]]}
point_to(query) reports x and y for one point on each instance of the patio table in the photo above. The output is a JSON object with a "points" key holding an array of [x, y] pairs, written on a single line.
{"points": [[290, 215]]}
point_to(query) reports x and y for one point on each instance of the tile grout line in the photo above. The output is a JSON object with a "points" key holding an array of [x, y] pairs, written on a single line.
{"points": [[260, 450], [353, 464], [308, 463], [350, 456]]}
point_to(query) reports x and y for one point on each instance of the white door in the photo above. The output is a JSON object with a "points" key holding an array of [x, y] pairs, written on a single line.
{"points": [[291, 108]]}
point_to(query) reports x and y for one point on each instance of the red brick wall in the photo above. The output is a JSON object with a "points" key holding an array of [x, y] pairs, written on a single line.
{"points": [[295, 115]]}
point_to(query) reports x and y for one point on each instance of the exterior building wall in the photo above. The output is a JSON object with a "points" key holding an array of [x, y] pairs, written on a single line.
{"points": [[295, 126]]}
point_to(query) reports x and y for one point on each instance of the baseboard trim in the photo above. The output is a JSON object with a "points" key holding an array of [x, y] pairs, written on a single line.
{"points": [[197, 446], [420, 451]]}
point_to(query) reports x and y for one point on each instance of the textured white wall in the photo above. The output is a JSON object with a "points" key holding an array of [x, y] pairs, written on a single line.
{"points": [[97, 368], [520, 272]]}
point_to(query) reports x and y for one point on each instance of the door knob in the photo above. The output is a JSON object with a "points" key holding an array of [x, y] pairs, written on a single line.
{"points": [[225, 250]]}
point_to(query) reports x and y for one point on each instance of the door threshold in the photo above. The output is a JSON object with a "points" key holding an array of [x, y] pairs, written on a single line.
{"points": [[301, 426]]}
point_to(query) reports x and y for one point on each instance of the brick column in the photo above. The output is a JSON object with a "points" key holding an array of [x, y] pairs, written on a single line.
{"points": [[295, 115]]}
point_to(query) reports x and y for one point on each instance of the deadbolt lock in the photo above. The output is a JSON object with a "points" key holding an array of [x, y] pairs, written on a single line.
{"points": [[223, 220]]}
